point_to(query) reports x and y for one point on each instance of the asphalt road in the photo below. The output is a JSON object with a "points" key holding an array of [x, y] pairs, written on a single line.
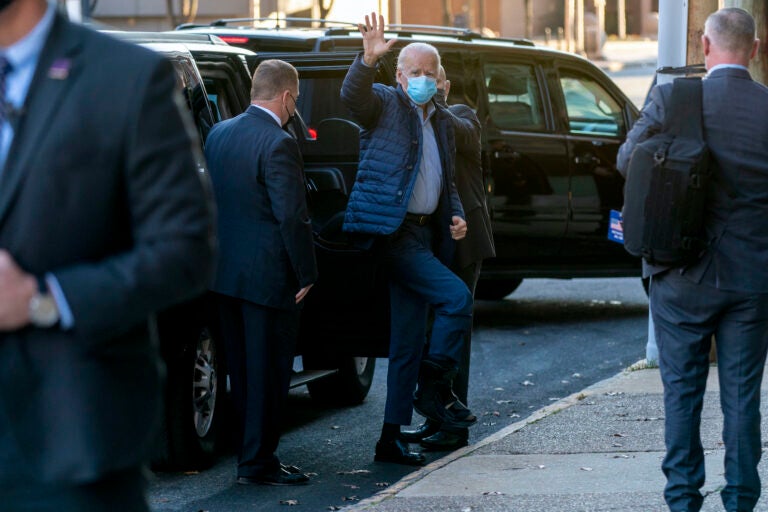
{"points": [[549, 339]]}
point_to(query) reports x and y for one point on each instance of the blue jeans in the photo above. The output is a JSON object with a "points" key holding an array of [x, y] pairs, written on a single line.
{"points": [[686, 315], [418, 280]]}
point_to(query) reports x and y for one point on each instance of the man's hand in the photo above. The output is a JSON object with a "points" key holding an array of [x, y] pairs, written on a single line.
{"points": [[458, 228], [16, 289], [374, 45], [303, 293]]}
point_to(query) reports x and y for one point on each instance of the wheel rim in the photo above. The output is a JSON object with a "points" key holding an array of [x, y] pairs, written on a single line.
{"points": [[204, 385], [361, 363]]}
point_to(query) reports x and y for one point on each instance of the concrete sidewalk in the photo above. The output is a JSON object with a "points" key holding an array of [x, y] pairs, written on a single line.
{"points": [[597, 450]]}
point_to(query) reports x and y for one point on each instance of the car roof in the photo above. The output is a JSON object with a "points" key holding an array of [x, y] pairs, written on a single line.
{"points": [[344, 36]]}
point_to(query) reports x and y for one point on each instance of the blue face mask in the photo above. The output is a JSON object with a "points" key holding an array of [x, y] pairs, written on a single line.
{"points": [[421, 89]]}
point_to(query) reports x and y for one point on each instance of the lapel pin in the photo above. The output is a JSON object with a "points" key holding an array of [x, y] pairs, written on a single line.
{"points": [[59, 69]]}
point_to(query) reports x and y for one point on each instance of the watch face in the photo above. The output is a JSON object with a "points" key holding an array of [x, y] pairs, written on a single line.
{"points": [[43, 311]]}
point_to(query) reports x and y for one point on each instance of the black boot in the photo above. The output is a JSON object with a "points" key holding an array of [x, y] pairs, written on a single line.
{"points": [[426, 429], [446, 441], [434, 398]]}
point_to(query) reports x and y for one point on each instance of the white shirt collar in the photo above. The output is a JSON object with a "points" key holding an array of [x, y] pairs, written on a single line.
{"points": [[274, 116]]}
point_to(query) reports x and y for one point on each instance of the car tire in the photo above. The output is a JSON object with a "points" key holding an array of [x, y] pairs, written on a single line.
{"points": [[195, 410], [496, 289], [349, 386]]}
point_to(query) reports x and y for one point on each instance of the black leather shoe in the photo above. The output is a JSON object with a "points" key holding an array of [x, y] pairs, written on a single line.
{"points": [[397, 451], [280, 476], [426, 429], [445, 441]]}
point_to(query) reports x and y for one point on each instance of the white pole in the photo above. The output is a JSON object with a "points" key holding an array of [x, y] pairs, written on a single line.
{"points": [[673, 36], [75, 10]]}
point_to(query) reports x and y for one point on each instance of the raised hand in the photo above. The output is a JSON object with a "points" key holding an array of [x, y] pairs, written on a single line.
{"points": [[374, 45]]}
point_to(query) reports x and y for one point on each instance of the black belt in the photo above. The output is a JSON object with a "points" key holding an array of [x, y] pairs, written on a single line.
{"points": [[417, 218]]}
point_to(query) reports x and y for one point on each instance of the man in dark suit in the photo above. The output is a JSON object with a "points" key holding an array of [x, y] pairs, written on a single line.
{"points": [[267, 262], [103, 221], [469, 256], [725, 292]]}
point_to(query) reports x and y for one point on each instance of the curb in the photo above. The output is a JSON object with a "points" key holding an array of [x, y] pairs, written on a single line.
{"points": [[538, 415]]}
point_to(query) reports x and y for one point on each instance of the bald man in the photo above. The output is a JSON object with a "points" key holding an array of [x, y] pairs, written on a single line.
{"points": [[725, 292]]}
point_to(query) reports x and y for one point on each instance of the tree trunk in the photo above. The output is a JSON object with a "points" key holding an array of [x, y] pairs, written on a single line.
{"points": [[698, 11]]}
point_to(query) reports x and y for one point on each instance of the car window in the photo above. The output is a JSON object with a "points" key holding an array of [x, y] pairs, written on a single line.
{"points": [[319, 95], [514, 102], [590, 108]]}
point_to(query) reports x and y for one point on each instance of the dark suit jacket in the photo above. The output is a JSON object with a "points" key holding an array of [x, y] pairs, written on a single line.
{"points": [[265, 234], [478, 244], [100, 188], [736, 131]]}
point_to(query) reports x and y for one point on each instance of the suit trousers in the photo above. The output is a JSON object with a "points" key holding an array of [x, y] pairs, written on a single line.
{"points": [[469, 275], [123, 491], [686, 315], [418, 280], [260, 343]]}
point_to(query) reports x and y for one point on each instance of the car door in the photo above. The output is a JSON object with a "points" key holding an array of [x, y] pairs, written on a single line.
{"points": [[594, 117], [527, 160], [350, 296]]}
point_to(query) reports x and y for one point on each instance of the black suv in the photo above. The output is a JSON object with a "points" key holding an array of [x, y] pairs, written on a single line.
{"points": [[552, 125]]}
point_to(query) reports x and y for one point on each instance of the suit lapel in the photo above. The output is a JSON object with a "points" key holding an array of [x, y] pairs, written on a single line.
{"points": [[55, 71]]}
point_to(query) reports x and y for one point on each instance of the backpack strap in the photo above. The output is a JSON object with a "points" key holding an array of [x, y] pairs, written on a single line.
{"points": [[685, 116]]}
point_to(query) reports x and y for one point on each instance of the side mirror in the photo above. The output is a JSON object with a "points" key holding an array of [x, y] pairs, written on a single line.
{"points": [[339, 136]]}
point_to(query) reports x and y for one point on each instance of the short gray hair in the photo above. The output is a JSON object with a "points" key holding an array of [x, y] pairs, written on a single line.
{"points": [[271, 78], [406, 52], [731, 29]]}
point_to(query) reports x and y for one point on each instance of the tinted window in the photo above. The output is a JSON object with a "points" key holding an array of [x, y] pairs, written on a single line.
{"points": [[589, 107], [513, 96]]}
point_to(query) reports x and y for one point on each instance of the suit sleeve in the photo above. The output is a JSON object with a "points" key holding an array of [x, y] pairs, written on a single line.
{"points": [[650, 122], [169, 206], [285, 187], [466, 127]]}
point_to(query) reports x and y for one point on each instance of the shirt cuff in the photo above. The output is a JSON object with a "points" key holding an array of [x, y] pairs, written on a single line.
{"points": [[66, 319]]}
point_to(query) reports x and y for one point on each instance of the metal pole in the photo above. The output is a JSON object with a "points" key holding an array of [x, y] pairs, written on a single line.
{"points": [[580, 27], [673, 36], [623, 18], [86, 9], [570, 11]]}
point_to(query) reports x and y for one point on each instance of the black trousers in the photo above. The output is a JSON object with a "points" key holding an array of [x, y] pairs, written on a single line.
{"points": [[124, 491], [260, 343]]}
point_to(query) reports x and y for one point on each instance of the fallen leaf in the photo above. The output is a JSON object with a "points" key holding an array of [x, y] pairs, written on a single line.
{"points": [[333, 507], [498, 389], [493, 493], [615, 303], [351, 486], [350, 498], [576, 375], [290, 503], [382, 484], [541, 466], [619, 434], [496, 413], [617, 445], [514, 415], [527, 383], [335, 427], [585, 468], [191, 473], [621, 456], [565, 382], [500, 402], [466, 509], [554, 398]]}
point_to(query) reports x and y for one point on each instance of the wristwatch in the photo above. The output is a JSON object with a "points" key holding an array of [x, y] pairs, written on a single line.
{"points": [[43, 311]]}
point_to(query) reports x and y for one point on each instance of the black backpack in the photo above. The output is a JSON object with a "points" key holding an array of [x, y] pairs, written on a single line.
{"points": [[668, 178]]}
